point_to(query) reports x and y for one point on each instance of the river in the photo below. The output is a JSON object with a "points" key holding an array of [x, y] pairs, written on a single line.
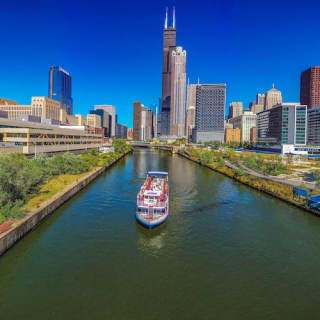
{"points": [[226, 252]]}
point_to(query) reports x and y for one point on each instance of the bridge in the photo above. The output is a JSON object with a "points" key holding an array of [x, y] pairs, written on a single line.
{"points": [[167, 147]]}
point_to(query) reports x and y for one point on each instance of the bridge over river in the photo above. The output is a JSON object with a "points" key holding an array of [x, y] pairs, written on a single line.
{"points": [[167, 147], [226, 252]]}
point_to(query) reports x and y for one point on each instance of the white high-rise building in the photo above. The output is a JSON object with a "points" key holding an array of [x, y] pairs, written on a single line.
{"points": [[245, 122], [178, 92]]}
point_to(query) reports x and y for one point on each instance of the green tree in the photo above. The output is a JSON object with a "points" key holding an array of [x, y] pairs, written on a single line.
{"points": [[121, 146]]}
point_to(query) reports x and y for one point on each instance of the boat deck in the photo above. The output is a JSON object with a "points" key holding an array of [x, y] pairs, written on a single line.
{"points": [[153, 200]]}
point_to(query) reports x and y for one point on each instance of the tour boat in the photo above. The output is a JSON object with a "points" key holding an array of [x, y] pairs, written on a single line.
{"points": [[153, 200]]}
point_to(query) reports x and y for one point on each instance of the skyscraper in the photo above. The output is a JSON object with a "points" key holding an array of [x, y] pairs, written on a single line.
{"points": [[169, 45], [191, 109], [112, 112], [210, 111], [137, 120], [235, 109], [60, 87], [256, 108], [259, 104], [190, 121], [191, 95], [142, 122], [260, 99], [310, 87], [273, 97], [106, 120], [178, 92]]}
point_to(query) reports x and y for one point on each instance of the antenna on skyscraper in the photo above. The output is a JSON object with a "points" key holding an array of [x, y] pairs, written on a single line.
{"points": [[174, 18], [198, 80], [166, 20]]}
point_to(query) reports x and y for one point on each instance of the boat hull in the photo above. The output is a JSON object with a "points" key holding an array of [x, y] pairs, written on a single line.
{"points": [[150, 224]]}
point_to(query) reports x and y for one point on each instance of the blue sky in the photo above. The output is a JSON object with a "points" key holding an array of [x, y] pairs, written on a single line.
{"points": [[113, 49]]}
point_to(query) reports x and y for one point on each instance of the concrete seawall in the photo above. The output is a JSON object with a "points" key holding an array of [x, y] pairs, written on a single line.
{"points": [[33, 218]]}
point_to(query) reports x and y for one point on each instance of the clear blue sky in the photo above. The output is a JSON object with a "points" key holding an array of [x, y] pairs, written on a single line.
{"points": [[113, 49]]}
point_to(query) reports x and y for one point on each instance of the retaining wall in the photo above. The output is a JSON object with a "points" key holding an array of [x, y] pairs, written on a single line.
{"points": [[33, 218]]}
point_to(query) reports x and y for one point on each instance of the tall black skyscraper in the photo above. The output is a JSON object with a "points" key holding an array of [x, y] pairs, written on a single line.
{"points": [[60, 86], [210, 112], [169, 44]]}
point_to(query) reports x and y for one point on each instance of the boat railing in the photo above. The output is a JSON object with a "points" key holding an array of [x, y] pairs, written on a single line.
{"points": [[158, 204]]}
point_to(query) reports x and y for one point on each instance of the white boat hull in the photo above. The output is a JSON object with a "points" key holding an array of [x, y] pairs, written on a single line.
{"points": [[151, 223]]}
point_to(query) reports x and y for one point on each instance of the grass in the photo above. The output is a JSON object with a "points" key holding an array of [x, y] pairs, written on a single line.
{"points": [[51, 188], [299, 167]]}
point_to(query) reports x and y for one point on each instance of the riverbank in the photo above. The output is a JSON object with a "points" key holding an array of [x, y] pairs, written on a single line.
{"points": [[275, 189], [20, 227]]}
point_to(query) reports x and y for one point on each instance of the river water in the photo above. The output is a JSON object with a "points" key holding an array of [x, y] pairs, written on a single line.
{"points": [[226, 252]]}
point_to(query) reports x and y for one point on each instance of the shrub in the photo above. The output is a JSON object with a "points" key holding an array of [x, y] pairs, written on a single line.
{"points": [[240, 172], [206, 157], [220, 162], [2, 218]]}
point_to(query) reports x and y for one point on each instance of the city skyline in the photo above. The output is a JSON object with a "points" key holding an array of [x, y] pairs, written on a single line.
{"points": [[238, 61]]}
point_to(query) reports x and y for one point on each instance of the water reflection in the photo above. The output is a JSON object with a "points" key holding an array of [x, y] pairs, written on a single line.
{"points": [[145, 160], [153, 240]]}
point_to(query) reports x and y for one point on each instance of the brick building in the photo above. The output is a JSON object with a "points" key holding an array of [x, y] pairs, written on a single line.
{"points": [[310, 87]]}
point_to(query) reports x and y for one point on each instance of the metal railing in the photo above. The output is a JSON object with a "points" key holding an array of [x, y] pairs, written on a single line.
{"points": [[158, 204], [151, 213]]}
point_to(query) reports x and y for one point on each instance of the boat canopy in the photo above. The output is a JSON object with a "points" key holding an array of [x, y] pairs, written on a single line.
{"points": [[157, 174]]}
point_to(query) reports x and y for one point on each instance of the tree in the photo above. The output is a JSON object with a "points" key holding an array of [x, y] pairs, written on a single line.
{"points": [[121, 146], [19, 177]]}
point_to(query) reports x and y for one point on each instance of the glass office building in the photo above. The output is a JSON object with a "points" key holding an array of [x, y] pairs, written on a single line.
{"points": [[60, 87], [210, 113], [283, 124], [314, 126]]}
